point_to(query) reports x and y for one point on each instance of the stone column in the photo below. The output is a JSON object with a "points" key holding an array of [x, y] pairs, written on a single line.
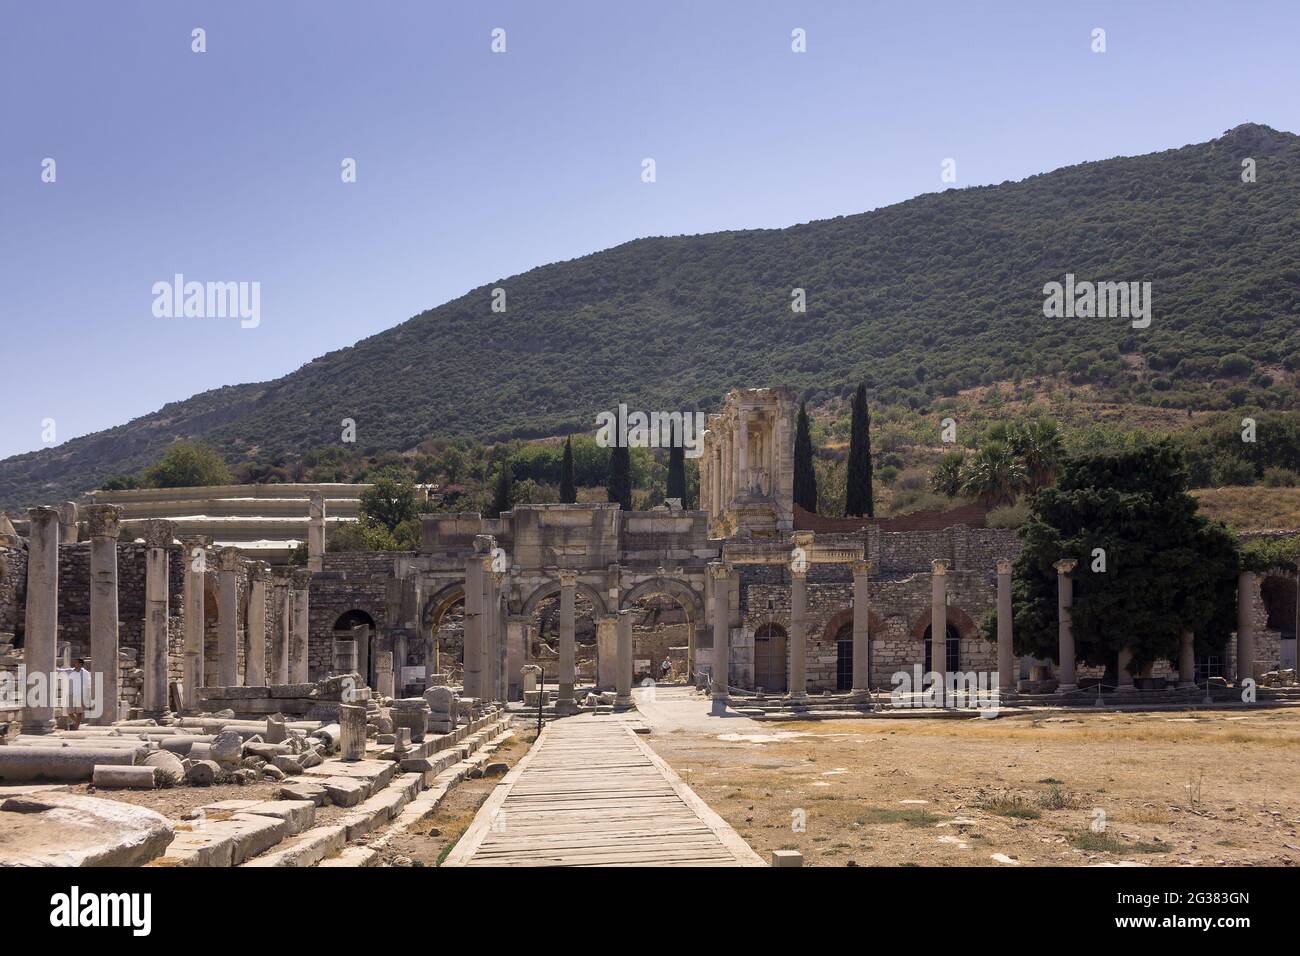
{"points": [[283, 595], [255, 656], [1006, 657], [385, 683], [717, 477], [475, 569], [352, 731], [196, 564], [228, 617], [1245, 626], [516, 654], [721, 629], [861, 631], [1125, 676], [40, 646], [499, 673], [104, 522], [607, 650], [939, 623], [157, 538], [568, 590], [345, 656], [316, 533], [1065, 625], [742, 430], [1187, 660], [798, 683], [624, 679], [68, 522], [300, 643]]}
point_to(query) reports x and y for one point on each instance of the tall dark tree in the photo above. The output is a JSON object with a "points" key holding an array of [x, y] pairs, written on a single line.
{"points": [[676, 473], [1149, 567], [503, 493], [858, 498], [568, 490], [805, 478], [618, 486]]}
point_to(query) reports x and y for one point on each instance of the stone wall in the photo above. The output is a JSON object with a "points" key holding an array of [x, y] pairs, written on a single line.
{"points": [[348, 581]]}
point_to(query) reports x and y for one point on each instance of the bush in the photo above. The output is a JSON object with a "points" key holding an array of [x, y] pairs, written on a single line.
{"points": [[1280, 478], [1227, 470], [1009, 516]]}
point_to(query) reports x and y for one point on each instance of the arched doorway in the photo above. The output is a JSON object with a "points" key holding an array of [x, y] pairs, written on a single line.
{"points": [[443, 628], [953, 649], [844, 658], [343, 626], [770, 658], [1279, 596]]}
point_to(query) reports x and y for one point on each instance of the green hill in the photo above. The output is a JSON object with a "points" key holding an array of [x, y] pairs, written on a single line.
{"points": [[921, 299]]}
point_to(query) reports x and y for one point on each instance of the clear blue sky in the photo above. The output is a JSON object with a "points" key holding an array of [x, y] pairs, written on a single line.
{"points": [[474, 166]]}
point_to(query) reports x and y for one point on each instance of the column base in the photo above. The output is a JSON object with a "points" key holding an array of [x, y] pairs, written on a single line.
{"points": [[624, 703], [1066, 688], [566, 708], [156, 714], [39, 726]]}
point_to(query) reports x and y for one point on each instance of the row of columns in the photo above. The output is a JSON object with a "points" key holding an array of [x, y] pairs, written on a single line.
{"points": [[104, 524]]}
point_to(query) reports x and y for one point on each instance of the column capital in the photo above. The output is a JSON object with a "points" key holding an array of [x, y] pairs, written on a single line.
{"points": [[1065, 565], [797, 575], [42, 513], [499, 577], [158, 532], [939, 567], [301, 579], [228, 559], [803, 539], [568, 579], [720, 570], [260, 571], [862, 567], [1005, 565], [104, 521]]}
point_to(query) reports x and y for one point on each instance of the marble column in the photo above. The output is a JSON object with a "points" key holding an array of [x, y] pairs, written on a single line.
{"points": [[717, 477], [1065, 625], [1006, 656], [1187, 660], [1246, 591], [195, 557], [283, 599], [1125, 676], [607, 651], [158, 536], [228, 617], [300, 643], [861, 629], [104, 522], [797, 686], [516, 654], [316, 533], [721, 575], [385, 680], [742, 430], [939, 624], [475, 570], [568, 591], [40, 646], [255, 655], [499, 672], [68, 522], [623, 684]]}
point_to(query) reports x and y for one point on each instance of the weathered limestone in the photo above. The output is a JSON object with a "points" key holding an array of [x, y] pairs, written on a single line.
{"points": [[255, 655], [1006, 658], [624, 682], [1187, 660], [58, 763], [104, 524], [503, 653], [564, 701], [300, 643], [283, 597], [196, 566], [798, 683], [384, 684], [345, 656], [1245, 626], [607, 650], [228, 617], [70, 830], [861, 629], [352, 724], [1065, 626], [68, 522], [110, 776], [475, 569], [939, 624], [41, 643], [721, 577], [316, 533]]}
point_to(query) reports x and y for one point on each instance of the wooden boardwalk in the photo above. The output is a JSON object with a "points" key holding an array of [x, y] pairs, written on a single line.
{"points": [[591, 793]]}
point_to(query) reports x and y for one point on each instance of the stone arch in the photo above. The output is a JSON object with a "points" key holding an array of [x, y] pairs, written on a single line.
{"points": [[844, 618], [552, 588], [436, 607], [353, 618], [965, 625], [680, 591]]}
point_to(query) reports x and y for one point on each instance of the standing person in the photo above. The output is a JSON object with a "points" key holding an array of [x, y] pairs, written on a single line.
{"points": [[78, 692], [665, 669]]}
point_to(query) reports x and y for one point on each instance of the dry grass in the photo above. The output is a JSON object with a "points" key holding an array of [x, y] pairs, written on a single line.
{"points": [[1252, 509]]}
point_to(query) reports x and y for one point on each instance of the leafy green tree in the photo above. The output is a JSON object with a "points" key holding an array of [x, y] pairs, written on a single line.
{"points": [[618, 486], [120, 483], [859, 499], [946, 479], [993, 476], [1166, 569], [503, 491], [388, 501], [568, 490], [187, 464], [805, 477]]}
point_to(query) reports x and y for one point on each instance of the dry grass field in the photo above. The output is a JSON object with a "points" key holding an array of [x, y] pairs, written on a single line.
{"points": [[1196, 788]]}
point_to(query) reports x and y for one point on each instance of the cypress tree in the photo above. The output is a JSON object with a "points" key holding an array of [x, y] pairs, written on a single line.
{"points": [[805, 478], [505, 489], [676, 473], [568, 490], [618, 486], [858, 498]]}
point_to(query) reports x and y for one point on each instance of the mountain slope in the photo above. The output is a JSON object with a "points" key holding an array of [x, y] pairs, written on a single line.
{"points": [[920, 298]]}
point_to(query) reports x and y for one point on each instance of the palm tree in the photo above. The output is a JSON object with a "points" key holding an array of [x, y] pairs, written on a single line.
{"points": [[993, 476], [946, 478], [1038, 446]]}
